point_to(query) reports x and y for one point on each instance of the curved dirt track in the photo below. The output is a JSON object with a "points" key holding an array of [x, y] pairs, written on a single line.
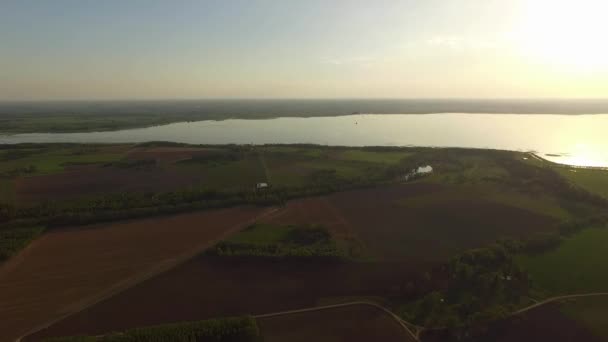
{"points": [[413, 330], [404, 324], [556, 299], [67, 270], [359, 321]]}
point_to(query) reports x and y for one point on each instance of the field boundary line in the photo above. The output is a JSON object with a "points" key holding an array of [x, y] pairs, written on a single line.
{"points": [[404, 324], [539, 304], [130, 282], [14, 261], [556, 299], [262, 161]]}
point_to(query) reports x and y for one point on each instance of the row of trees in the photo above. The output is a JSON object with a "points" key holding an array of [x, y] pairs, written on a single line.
{"points": [[298, 242], [133, 205], [14, 239], [238, 329]]}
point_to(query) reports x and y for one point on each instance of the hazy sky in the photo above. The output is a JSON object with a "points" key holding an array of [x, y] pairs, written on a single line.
{"points": [[90, 49]]}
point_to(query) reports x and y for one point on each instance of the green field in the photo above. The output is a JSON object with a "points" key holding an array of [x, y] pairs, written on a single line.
{"points": [[228, 175], [373, 156], [577, 266], [541, 204], [175, 177], [7, 190], [52, 159], [595, 181], [298, 168]]}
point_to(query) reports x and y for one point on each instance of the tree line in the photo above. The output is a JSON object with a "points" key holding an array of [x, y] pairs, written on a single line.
{"points": [[237, 329]]}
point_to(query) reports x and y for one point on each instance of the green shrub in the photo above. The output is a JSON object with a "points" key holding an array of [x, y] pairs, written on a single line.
{"points": [[238, 329], [14, 239], [263, 240]]}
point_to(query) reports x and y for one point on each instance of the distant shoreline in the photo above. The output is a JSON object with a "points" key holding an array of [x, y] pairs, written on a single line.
{"points": [[568, 166], [79, 119], [107, 115]]}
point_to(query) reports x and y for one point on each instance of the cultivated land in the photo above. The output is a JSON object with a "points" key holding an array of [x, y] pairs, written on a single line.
{"points": [[583, 256], [67, 269], [589, 312], [403, 222], [576, 266], [207, 287], [337, 224], [595, 181], [359, 323]]}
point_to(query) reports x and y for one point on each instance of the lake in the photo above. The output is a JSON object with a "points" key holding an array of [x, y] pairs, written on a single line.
{"points": [[580, 140]]}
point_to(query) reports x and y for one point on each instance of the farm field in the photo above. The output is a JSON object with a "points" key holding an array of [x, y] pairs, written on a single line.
{"points": [[208, 287], [582, 255], [354, 323], [152, 169], [403, 222], [67, 268], [545, 323], [595, 181], [69, 172], [343, 223], [589, 312]]}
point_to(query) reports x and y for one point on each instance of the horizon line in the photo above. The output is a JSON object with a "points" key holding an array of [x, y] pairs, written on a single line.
{"points": [[308, 99]]}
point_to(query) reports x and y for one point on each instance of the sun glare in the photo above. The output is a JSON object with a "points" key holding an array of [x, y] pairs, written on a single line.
{"points": [[566, 34]]}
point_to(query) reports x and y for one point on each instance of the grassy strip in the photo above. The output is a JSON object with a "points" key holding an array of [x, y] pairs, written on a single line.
{"points": [[265, 240], [594, 181], [577, 265], [14, 239], [238, 329]]}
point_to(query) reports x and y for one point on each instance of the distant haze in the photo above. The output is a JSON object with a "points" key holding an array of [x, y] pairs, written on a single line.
{"points": [[154, 49], [219, 109]]}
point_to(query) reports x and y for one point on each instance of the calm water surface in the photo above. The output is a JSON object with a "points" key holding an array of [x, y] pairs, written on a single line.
{"points": [[571, 139]]}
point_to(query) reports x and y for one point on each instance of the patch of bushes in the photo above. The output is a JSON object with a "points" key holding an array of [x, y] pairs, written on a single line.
{"points": [[324, 176], [484, 285], [239, 329], [161, 144], [134, 205], [14, 239], [23, 170], [14, 154], [215, 158], [132, 164], [311, 235], [291, 241], [237, 249]]}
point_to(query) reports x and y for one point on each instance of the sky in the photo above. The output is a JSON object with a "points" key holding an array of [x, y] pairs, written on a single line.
{"points": [[152, 49]]}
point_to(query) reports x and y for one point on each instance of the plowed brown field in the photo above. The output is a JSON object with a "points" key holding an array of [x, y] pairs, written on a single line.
{"points": [[208, 287], [448, 221], [67, 269], [402, 241], [348, 324]]}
